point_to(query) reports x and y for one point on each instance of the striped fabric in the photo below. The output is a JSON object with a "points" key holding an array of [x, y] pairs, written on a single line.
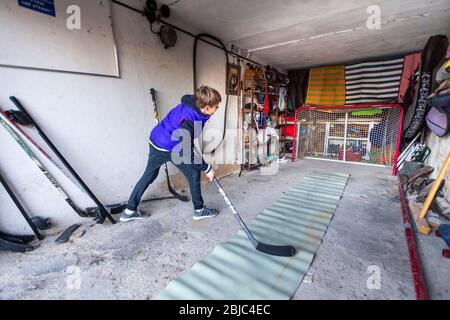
{"points": [[373, 82], [326, 86]]}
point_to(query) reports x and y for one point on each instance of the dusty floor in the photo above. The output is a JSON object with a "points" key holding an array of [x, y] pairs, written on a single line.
{"points": [[136, 260]]}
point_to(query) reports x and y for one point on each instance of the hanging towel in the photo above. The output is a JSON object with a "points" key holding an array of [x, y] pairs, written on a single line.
{"points": [[281, 99], [373, 82], [326, 86]]}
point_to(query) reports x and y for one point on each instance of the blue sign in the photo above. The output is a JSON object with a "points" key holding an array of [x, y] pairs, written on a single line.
{"points": [[43, 6]]}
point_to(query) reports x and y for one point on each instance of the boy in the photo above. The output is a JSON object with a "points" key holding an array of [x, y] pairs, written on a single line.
{"points": [[169, 141]]}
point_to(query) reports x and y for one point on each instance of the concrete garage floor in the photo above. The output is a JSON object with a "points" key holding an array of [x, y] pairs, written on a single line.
{"points": [[138, 259]]}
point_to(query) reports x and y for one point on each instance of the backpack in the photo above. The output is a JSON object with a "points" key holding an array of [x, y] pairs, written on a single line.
{"points": [[438, 120]]}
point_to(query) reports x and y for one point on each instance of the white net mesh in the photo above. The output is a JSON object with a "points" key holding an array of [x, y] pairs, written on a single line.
{"points": [[369, 134]]}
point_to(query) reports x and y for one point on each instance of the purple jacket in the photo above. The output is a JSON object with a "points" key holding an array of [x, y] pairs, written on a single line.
{"points": [[183, 116]]}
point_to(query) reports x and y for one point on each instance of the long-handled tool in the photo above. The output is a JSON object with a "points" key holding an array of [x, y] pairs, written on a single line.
{"points": [[435, 188], [20, 207], [171, 190], [282, 251], [103, 212]]}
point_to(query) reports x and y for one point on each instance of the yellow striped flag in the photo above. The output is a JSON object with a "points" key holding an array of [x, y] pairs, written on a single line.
{"points": [[326, 86]]}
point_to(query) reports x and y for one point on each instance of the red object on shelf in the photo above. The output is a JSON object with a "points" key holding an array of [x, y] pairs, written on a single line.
{"points": [[350, 156], [288, 130], [446, 253], [266, 105]]}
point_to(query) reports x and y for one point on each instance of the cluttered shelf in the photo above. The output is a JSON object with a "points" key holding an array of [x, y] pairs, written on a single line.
{"points": [[265, 91]]}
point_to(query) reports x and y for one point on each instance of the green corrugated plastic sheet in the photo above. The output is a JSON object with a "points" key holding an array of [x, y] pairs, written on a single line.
{"points": [[236, 271]]}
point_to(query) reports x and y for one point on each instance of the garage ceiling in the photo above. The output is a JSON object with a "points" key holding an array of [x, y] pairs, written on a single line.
{"points": [[292, 34]]}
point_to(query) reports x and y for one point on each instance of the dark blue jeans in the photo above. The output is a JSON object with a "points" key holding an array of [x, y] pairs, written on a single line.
{"points": [[156, 159]]}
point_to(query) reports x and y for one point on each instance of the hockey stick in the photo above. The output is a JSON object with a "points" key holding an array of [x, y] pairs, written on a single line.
{"points": [[171, 190], [8, 245], [282, 251], [103, 213], [23, 239], [21, 208], [44, 170], [11, 118]]}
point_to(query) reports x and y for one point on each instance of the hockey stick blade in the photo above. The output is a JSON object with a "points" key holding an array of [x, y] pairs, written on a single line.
{"points": [[112, 208], [6, 245], [21, 239], [281, 251]]}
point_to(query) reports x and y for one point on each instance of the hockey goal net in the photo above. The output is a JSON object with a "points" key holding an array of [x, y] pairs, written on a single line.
{"points": [[367, 134]]}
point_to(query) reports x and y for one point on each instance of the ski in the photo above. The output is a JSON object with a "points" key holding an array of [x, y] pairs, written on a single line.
{"points": [[103, 213]]}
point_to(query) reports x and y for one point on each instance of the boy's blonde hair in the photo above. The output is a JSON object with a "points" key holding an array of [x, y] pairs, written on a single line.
{"points": [[207, 96]]}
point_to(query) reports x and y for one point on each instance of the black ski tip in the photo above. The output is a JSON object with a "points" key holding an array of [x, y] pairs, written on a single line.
{"points": [[281, 251]]}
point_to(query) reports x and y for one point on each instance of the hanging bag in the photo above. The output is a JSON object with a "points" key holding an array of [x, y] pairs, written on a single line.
{"points": [[438, 120]]}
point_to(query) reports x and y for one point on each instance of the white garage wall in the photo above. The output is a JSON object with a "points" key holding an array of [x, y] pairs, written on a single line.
{"points": [[102, 124]]}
